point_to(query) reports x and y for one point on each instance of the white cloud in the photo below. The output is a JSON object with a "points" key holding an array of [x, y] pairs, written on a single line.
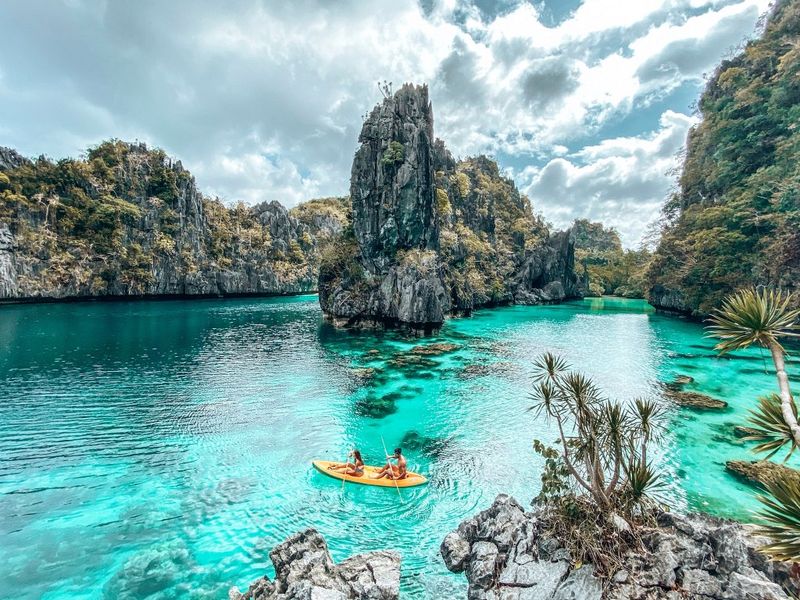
{"points": [[621, 182], [263, 100]]}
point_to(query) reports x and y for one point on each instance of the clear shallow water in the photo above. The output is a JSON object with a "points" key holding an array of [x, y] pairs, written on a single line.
{"points": [[161, 449]]}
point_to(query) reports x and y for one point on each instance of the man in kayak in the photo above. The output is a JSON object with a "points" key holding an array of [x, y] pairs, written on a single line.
{"points": [[398, 471]]}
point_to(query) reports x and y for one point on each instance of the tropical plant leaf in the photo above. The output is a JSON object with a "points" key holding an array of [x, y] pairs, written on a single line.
{"points": [[545, 398], [548, 366], [650, 415], [769, 427], [753, 316], [781, 514], [642, 481]]}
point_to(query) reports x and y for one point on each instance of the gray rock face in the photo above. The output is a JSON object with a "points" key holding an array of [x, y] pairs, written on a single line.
{"points": [[8, 268], [304, 570], [396, 277], [11, 159], [669, 300], [391, 184], [548, 273], [503, 555], [174, 241], [431, 236], [581, 584]]}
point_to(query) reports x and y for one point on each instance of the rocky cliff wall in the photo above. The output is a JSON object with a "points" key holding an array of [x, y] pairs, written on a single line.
{"points": [[304, 570], [129, 221], [432, 236], [734, 220]]}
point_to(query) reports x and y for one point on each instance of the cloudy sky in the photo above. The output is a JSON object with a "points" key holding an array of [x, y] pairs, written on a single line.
{"points": [[585, 103]]}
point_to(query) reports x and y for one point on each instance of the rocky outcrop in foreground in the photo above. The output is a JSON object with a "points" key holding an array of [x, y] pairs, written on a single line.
{"points": [[505, 556], [431, 236], [304, 570]]}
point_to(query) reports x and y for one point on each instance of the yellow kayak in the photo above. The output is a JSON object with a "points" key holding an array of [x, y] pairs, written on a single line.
{"points": [[410, 480]]}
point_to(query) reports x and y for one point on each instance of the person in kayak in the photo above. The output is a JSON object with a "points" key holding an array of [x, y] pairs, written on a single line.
{"points": [[355, 468], [398, 471]]}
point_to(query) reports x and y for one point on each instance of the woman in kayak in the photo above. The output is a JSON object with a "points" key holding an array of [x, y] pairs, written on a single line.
{"points": [[355, 468]]}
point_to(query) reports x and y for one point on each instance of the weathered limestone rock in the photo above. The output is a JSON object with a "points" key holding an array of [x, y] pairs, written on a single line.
{"points": [[431, 236], [8, 270], [548, 273], [761, 472], [396, 276], [694, 399], [581, 584], [304, 570], [503, 554], [11, 159], [176, 241], [391, 183], [455, 551], [668, 300]]}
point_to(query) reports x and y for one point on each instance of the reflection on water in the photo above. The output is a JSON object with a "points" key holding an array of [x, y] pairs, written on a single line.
{"points": [[149, 449]]}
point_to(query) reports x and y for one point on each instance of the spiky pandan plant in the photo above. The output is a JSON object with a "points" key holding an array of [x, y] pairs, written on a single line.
{"points": [[762, 317], [603, 444]]}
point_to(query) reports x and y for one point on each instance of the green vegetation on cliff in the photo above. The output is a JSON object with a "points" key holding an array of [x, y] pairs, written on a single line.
{"points": [[486, 225], [128, 220], [735, 220], [609, 268]]}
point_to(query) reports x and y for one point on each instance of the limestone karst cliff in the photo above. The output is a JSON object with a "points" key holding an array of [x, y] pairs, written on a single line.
{"points": [[129, 221], [431, 236], [735, 218]]}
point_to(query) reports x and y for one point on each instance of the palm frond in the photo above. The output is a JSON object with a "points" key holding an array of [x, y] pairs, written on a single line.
{"points": [[614, 426], [770, 428], [581, 396], [753, 316], [781, 514], [650, 415], [642, 481], [548, 366], [545, 398]]}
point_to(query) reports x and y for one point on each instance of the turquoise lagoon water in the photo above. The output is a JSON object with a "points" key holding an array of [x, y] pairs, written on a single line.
{"points": [[161, 449]]}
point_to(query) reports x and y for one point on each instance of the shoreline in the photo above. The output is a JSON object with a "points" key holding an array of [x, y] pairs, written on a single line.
{"points": [[149, 297]]}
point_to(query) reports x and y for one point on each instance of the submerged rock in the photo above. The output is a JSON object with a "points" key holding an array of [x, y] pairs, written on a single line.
{"points": [[762, 472], [505, 555], [740, 431], [376, 407], [412, 361], [475, 370], [305, 570], [434, 349], [694, 400], [430, 446], [151, 571]]}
